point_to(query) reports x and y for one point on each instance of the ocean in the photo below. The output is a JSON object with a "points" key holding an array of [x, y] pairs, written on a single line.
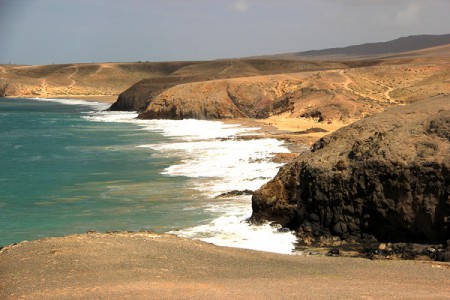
{"points": [[69, 166]]}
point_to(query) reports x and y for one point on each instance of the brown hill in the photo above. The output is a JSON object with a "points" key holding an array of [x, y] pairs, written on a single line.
{"points": [[78, 80], [138, 96], [292, 95], [108, 80], [322, 99]]}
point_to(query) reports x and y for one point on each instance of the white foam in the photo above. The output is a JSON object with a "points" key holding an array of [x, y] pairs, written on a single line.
{"points": [[217, 163], [230, 229], [230, 164], [209, 153], [191, 130], [93, 104], [113, 117]]}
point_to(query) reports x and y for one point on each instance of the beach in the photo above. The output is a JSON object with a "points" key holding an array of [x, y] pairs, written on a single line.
{"points": [[145, 265], [142, 265]]}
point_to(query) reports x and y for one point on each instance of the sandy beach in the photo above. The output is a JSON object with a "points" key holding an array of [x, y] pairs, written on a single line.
{"points": [[296, 132], [105, 99], [145, 265], [225, 150]]}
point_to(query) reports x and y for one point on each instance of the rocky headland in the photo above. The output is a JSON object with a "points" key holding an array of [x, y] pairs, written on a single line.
{"points": [[386, 176], [340, 92], [147, 91], [292, 95]]}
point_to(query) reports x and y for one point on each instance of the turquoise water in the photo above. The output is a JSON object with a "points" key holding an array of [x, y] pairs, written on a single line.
{"points": [[61, 173], [69, 166]]}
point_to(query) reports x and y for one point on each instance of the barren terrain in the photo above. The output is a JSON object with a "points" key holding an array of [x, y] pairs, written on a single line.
{"points": [[145, 265], [104, 81], [299, 101], [303, 100]]}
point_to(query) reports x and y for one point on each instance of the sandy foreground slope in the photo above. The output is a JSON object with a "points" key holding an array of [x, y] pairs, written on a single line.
{"points": [[147, 265]]}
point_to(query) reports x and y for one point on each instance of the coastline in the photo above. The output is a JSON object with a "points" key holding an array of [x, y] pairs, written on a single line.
{"points": [[297, 133], [110, 99], [239, 164], [144, 264], [293, 131], [149, 265]]}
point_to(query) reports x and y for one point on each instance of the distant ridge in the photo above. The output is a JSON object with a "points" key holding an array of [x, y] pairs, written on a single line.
{"points": [[403, 44]]}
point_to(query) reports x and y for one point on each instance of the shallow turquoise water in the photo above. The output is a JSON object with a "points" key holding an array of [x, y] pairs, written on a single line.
{"points": [[69, 166], [61, 173]]}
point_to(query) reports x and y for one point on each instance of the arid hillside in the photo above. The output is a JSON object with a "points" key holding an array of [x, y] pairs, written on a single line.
{"points": [[78, 80], [111, 79], [318, 96], [139, 96], [324, 100]]}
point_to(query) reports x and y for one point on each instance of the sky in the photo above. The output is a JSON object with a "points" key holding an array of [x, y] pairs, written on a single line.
{"points": [[68, 31]]}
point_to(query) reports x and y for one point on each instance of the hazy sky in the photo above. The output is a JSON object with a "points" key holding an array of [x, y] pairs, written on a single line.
{"points": [[63, 31]]}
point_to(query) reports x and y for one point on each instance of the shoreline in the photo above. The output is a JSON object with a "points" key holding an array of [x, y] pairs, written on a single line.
{"points": [[294, 131], [247, 157], [104, 99], [145, 264]]}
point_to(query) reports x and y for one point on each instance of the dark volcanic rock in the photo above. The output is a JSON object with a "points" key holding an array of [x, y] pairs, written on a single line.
{"points": [[407, 251], [310, 130], [234, 193], [387, 176]]}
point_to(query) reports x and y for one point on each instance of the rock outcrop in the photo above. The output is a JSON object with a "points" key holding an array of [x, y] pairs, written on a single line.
{"points": [[204, 91], [217, 99], [8, 90], [138, 96], [143, 93], [386, 176]]}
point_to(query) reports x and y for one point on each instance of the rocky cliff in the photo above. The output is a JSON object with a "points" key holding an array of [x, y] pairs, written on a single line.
{"points": [[143, 93], [218, 99], [211, 90], [387, 175]]}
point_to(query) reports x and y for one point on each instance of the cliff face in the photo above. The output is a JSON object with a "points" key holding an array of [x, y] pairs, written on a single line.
{"points": [[387, 175], [326, 96], [138, 96], [218, 99]]}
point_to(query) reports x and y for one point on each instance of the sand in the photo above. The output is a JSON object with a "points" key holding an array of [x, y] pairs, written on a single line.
{"points": [[290, 130], [147, 265], [105, 99]]}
